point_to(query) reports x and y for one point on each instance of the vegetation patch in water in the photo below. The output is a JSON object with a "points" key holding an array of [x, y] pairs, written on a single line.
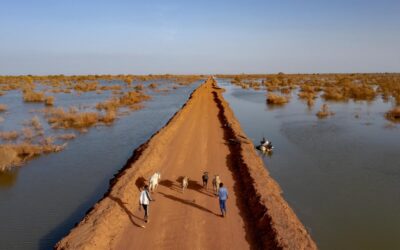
{"points": [[393, 114], [274, 99]]}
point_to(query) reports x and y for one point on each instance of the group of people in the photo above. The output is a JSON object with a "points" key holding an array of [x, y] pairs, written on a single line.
{"points": [[145, 197]]}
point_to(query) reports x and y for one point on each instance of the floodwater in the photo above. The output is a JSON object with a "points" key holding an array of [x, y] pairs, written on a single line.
{"points": [[341, 175], [42, 200]]}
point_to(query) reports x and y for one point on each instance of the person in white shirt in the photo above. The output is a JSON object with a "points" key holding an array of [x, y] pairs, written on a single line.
{"points": [[144, 201], [264, 142]]}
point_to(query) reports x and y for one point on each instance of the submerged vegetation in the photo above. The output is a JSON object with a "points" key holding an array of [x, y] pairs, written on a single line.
{"points": [[16, 154], [324, 111], [331, 87], [393, 114], [117, 95], [72, 118], [275, 99], [3, 107]]}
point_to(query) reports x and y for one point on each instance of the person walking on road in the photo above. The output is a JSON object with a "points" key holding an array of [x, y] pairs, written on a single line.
{"points": [[144, 201], [223, 196]]}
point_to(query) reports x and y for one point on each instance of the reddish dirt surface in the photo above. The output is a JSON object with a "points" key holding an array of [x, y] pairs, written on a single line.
{"points": [[202, 136]]}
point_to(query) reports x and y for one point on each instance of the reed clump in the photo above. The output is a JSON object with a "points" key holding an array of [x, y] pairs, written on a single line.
{"points": [[9, 135], [12, 155], [66, 137], [49, 100], [139, 87], [35, 123], [32, 96], [86, 86], [59, 118], [307, 95], [28, 134], [153, 85], [111, 87], [8, 158], [109, 116], [286, 90], [274, 99], [393, 114], [132, 98], [3, 107], [110, 104], [324, 111], [361, 92], [334, 94]]}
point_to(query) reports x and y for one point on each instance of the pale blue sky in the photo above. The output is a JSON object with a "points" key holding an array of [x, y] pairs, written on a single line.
{"points": [[142, 37]]}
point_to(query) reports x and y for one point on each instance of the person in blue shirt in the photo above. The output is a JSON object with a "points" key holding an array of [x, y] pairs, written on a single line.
{"points": [[223, 196]]}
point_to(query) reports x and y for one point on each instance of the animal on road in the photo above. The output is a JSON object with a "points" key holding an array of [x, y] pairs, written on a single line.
{"points": [[205, 179], [154, 180], [216, 181], [185, 183]]}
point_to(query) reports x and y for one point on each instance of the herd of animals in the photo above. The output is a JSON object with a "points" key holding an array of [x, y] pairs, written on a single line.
{"points": [[156, 177]]}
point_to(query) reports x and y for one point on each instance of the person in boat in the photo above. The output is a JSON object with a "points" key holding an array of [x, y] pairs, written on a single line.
{"points": [[266, 143]]}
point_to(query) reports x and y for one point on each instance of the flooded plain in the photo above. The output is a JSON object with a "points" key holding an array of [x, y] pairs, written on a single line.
{"points": [[43, 199], [341, 175]]}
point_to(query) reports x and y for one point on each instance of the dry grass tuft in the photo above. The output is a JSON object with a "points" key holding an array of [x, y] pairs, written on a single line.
{"points": [[3, 107], [111, 87], [66, 136], [133, 97], [9, 135], [333, 94], [85, 86], [110, 104], [274, 99], [28, 134], [109, 116], [393, 114], [49, 100], [139, 87], [59, 118], [360, 92], [286, 90], [324, 111], [153, 85], [35, 123], [32, 96], [8, 158], [12, 155]]}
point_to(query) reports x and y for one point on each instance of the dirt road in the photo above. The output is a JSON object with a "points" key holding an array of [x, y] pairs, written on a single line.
{"points": [[191, 220], [202, 136]]}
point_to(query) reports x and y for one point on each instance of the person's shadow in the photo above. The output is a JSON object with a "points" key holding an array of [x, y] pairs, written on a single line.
{"points": [[194, 185], [127, 211], [187, 202]]}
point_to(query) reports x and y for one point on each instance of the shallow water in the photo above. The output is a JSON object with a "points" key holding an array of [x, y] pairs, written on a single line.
{"points": [[41, 201], [341, 175]]}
